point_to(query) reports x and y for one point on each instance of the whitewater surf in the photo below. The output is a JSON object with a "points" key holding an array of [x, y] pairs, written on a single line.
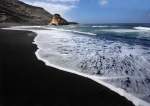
{"points": [[116, 57]]}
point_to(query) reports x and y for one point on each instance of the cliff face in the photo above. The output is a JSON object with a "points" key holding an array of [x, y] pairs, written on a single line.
{"points": [[58, 20], [17, 11]]}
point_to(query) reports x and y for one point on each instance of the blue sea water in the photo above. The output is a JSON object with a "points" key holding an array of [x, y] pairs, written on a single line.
{"points": [[116, 54]]}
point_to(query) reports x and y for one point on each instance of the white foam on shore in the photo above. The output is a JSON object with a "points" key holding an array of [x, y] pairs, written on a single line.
{"points": [[135, 100]]}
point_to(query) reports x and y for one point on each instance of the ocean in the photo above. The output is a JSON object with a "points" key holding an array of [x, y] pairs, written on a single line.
{"points": [[114, 55]]}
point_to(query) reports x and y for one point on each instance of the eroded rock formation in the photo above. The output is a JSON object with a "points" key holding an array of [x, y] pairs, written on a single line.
{"points": [[15, 11], [58, 20]]}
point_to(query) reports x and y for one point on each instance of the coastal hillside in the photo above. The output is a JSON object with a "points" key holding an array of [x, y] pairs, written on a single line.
{"points": [[15, 11]]}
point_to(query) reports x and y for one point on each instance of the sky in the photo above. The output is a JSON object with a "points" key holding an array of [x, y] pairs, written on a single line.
{"points": [[98, 11]]}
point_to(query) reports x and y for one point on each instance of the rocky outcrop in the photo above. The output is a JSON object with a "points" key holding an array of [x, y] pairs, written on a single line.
{"points": [[58, 20], [19, 12], [15, 11]]}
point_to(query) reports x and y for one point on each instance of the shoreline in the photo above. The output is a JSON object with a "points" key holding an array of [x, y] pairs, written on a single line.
{"points": [[121, 92], [27, 80], [135, 100]]}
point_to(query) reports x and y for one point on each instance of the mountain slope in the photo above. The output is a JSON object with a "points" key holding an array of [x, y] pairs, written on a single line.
{"points": [[17, 11]]}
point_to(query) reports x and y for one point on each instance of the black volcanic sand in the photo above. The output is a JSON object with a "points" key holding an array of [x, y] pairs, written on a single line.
{"points": [[26, 80]]}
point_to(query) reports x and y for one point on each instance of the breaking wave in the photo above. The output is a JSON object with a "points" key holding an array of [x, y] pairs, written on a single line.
{"points": [[125, 30], [104, 26], [122, 67], [74, 31], [115, 63], [142, 28], [120, 30]]}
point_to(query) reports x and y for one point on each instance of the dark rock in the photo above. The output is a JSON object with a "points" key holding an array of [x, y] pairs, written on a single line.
{"points": [[19, 12], [15, 11], [73, 23], [58, 20]]}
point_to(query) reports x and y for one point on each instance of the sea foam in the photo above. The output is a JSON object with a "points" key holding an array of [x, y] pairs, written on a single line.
{"points": [[119, 66]]}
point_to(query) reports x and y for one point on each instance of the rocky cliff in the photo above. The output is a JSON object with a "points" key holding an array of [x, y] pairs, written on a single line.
{"points": [[19, 12], [15, 11], [58, 20]]}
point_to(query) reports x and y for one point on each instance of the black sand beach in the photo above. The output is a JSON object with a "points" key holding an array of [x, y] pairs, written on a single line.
{"points": [[26, 80]]}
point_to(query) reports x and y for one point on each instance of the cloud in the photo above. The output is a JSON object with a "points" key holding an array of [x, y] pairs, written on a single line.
{"points": [[54, 6], [103, 2]]}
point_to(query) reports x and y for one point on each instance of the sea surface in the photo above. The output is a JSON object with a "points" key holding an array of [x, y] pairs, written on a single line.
{"points": [[115, 55]]}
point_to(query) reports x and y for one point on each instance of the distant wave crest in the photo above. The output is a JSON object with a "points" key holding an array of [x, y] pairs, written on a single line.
{"points": [[142, 28], [73, 31], [103, 26]]}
